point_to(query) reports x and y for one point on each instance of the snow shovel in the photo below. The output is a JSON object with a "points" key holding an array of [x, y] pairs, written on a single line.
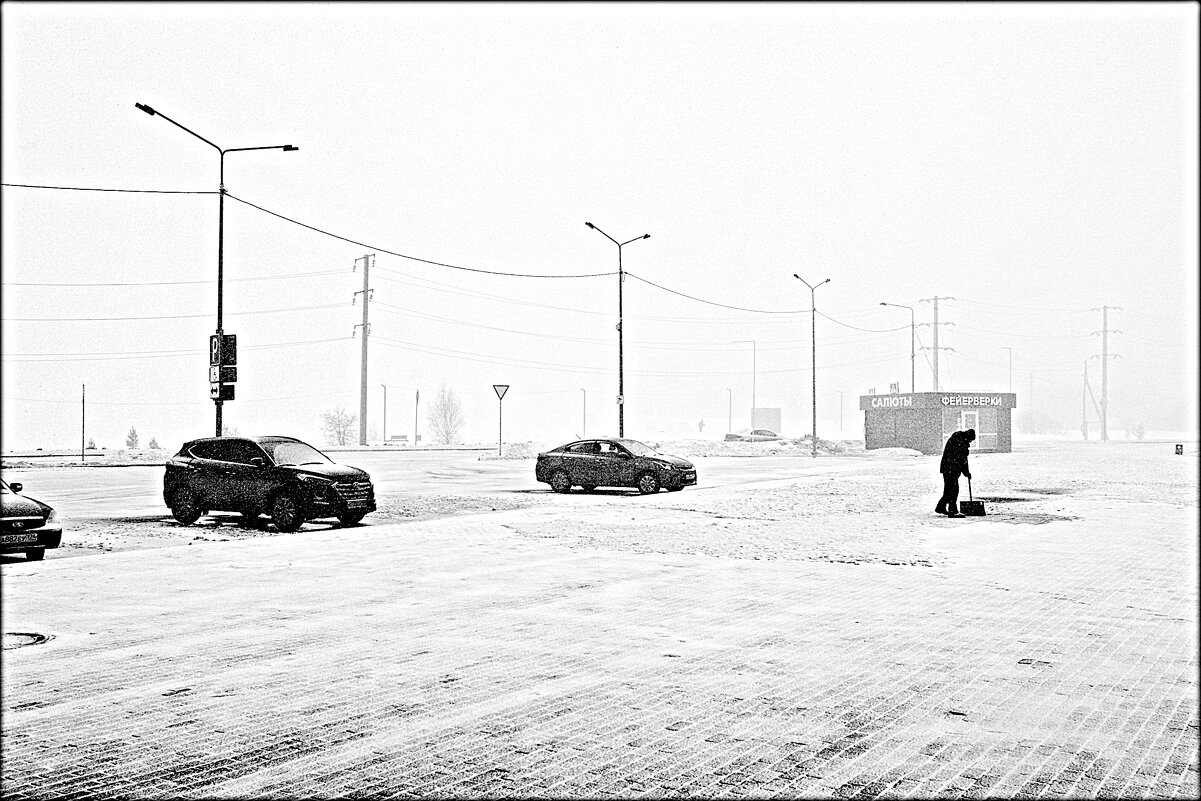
{"points": [[971, 508]]}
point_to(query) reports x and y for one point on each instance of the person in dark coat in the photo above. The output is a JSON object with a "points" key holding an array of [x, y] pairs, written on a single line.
{"points": [[954, 464]]}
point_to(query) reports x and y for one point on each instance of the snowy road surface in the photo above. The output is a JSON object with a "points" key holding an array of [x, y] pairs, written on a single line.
{"points": [[825, 635]]}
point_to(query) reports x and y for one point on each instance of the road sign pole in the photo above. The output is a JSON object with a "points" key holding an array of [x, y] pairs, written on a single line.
{"points": [[500, 390]]}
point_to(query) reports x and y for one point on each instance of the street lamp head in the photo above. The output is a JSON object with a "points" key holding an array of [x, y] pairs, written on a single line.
{"points": [[797, 277], [145, 108], [590, 225], [646, 236], [290, 147]]}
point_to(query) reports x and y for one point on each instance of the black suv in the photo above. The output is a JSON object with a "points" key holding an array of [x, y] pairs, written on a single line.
{"points": [[279, 476]]}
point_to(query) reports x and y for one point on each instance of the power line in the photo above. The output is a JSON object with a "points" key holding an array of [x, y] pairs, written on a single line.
{"points": [[413, 258], [168, 283], [37, 358], [714, 303], [162, 317], [870, 330], [96, 189]]}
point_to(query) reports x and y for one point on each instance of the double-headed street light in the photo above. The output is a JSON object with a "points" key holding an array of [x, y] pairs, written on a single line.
{"points": [[912, 337], [621, 386], [813, 338], [220, 231]]}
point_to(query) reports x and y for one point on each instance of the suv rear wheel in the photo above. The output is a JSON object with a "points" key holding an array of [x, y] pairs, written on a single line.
{"points": [[560, 482], [350, 518], [185, 507]]}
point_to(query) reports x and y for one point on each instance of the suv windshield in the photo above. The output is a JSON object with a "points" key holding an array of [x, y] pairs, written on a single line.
{"points": [[294, 453]]}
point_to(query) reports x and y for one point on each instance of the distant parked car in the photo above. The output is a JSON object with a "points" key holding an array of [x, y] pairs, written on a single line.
{"points": [[592, 463], [289, 480], [26, 524], [756, 435]]}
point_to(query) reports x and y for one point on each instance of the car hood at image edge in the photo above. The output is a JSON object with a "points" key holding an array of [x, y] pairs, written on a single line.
{"points": [[18, 506], [333, 472]]}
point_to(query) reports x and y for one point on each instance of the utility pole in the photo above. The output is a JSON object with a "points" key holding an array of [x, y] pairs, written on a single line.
{"points": [[385, 386], [754, 373], [366, 293], [416, 406], [1010, 367], [83, 422], [1105, 357], [936, 349], [813, 346]]}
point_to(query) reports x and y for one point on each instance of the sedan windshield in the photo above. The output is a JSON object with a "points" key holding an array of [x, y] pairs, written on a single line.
{"points": [[639, 449], [294, 453]]}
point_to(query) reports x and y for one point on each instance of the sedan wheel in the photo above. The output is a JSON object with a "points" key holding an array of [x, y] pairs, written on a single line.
{"points": [[35, 554], [350, 518], [559, 482], [648, 484], [285, 511], [185, 507]]}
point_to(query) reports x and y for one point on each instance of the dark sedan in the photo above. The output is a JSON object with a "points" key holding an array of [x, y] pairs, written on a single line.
{"points": [[26, 524], [592, 463], [285, 478]]}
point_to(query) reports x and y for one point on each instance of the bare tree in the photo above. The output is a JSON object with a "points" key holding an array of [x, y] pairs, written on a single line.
{"points": [[338, 425], [446, 417]]}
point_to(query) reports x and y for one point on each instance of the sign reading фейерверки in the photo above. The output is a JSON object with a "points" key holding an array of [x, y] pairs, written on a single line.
{"points": [[938, 400], [971, 400]]}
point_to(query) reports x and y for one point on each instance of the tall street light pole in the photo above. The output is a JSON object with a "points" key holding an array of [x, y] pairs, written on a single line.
{"points": [[621, 386], [754, 373], [220, 223], [912, 349], [813, 339]]}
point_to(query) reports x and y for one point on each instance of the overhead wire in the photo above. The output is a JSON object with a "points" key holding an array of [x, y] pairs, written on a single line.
{"points": [[165, 283], [415, 258], [139, 191], [164, 316], [33, 358]]}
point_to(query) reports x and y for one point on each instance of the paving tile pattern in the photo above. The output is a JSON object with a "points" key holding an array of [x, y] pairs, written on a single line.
{"points": [[521, 653]]}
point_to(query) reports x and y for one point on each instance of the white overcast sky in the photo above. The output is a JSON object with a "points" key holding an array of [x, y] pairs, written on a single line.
{"points": [[1034, 162]]}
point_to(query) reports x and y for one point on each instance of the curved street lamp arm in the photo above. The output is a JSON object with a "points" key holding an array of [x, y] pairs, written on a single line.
{"points": [[265, 147], [152, 113], [611, 239]]}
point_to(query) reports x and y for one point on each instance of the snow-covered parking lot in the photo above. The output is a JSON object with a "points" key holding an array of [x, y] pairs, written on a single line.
{"points": [[753, 500]]}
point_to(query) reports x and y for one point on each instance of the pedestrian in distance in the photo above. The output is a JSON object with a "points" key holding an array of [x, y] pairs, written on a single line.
{"points": [[953, 465]]}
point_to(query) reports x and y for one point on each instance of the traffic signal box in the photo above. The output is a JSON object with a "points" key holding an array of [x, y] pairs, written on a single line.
{"points": [[223, 356]]}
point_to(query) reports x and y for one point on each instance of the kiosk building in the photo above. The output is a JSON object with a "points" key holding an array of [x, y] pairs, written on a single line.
{"points": [[923, 420]]}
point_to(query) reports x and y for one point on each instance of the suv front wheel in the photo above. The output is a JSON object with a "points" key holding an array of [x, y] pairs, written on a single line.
{"points": [[285, 511]]}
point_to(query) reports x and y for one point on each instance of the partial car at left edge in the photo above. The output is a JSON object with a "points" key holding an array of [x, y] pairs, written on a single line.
{"points": [[26, 524]]}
